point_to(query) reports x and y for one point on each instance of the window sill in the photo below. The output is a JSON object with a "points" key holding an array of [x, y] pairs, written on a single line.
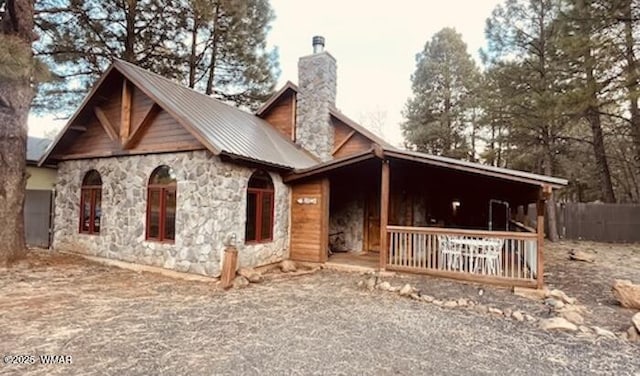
{"points": [[89, 233], [256, 242], [170, 242]]}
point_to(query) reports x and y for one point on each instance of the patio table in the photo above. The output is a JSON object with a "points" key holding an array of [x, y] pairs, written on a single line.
{"points": [[475, 250]]}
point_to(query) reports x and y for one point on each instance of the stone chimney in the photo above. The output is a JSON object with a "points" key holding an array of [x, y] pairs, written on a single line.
{"points": [[317, 92]]}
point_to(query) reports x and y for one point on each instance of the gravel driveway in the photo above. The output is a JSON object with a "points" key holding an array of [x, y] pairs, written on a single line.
{"points": [[113, 321]]}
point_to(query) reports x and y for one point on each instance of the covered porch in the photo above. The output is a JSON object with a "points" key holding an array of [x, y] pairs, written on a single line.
{"points": [[417, 213]]}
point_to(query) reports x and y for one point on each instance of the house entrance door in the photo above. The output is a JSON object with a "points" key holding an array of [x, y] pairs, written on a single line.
{"points": [[372, 222]]}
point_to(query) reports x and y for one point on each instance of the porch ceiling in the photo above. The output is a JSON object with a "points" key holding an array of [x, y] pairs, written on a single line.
{"points": [[455, 165]]}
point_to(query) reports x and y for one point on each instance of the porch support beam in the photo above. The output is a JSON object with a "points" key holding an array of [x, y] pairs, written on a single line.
{"points": [[540, 208], [384, 213]]}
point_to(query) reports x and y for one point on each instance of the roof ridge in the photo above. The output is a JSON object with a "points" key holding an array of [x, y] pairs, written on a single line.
{"points": [[218, 125], [181, 86], [274, 97]]}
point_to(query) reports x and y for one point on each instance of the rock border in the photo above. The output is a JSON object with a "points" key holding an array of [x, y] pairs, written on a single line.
{"points": [[568, 314]]}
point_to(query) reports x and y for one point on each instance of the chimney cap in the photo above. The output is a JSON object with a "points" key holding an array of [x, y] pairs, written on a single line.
{"points": [[318, 44]]}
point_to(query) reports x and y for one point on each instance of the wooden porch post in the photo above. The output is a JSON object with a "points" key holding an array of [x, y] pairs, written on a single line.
{"points": [[540, 208], [384, 213]]}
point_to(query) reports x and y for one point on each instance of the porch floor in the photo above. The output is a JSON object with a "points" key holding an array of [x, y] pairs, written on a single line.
{"points": [[359, 261]]}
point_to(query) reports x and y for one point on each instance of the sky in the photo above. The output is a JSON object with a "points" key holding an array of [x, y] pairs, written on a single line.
{"points": [[374, 43]]}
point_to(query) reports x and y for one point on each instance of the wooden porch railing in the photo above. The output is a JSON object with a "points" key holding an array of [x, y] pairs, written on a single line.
{"points": [[499, 257]]}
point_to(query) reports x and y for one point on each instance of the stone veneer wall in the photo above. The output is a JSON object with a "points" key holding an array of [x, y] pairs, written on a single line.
{"points": [[348, 218], [420, 211], [317, 81], [211, 205]]}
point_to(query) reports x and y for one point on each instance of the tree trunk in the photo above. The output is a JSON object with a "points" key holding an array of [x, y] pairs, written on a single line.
{"points": [[448, 146], [602, 165], [193, 57], [474, 130], [492, 145], [130, 38], [499, 154], [632, 81], [592, 108], [552, 217], [16, 94], [214, 51]]}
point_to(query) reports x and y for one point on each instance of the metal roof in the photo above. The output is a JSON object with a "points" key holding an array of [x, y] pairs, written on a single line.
{"points": [[224, 129], [434, 160], [266, 105], [479, 168], [227, 130], [36, 148]]}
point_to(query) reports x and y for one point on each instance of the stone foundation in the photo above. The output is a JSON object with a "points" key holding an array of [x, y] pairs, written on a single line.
{"points": [[211, 206]]}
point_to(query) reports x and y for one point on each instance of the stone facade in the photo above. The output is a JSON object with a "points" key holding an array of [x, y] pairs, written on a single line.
{"points": [[420, 218], [317, 81], [211, 206], [347, 219]]}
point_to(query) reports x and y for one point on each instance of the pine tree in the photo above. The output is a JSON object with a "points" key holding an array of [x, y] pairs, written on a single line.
{"points": [[79, 39], [216, 46], [625, 16], [17, 76], [522, 56], [589, 53], [495, 117], [438, 114], [228, 55]]}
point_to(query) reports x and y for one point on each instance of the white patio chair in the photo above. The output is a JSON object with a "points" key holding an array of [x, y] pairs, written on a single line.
{"points": [[487, 261], [451, 253]]}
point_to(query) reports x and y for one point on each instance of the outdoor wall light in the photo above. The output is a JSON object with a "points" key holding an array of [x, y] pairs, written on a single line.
{"points": [[455, 205]]}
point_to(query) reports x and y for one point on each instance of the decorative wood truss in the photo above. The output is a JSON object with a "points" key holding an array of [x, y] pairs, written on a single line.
{"points": [[127, 138]]}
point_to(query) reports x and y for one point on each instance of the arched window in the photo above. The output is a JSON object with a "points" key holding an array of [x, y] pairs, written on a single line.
{"points": [[259, 208], [161, 205], [90, 203]]}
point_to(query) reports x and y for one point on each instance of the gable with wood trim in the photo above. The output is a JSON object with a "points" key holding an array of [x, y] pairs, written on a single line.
{"points": [[349, 137], [120, 119]]}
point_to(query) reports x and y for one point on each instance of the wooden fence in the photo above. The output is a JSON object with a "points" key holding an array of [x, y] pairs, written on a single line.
{"points": [[500, 257], [600, 222], [37, 217], [618, 223]]}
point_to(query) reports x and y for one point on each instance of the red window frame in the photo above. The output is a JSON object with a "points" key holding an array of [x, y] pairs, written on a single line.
{"points": [[162, 190], [95, 191], [260, 194]]}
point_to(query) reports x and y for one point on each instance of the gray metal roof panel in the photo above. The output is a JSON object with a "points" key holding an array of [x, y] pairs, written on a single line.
{"points": [[36, 148], [480, 167], [445, 162], [227, 128]]}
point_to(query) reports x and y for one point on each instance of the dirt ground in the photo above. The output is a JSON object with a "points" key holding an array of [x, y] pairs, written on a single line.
{"points": [[115, 321], [590, 283]]}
